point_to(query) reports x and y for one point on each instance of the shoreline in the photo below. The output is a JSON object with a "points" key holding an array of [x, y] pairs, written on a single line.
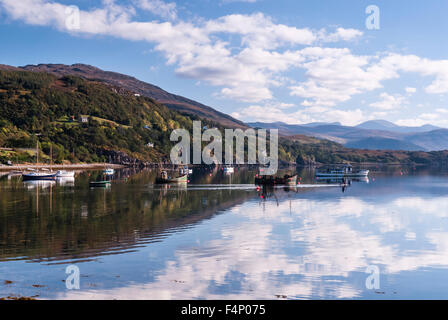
{"points": [[61, 166]]}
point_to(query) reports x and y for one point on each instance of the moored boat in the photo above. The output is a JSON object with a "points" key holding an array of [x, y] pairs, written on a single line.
{"points": [[65, 174], [104, 183], [164, 178], [341, 171], [228, 169], [185, 170], [109, 171], [37, 175]]}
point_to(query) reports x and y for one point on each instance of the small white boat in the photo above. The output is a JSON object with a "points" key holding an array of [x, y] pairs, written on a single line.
{"points": [[108, 171], [185, 170], [65, 174], [341, 171], [228, 169]]}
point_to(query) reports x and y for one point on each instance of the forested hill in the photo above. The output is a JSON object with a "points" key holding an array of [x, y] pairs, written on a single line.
{"points": [[42, 106]]}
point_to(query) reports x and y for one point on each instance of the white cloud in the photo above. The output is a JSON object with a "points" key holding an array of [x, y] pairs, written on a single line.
{"points": [[334, 76], [389, 102], [248, 55], [410, 90], [341, 34], [275, 112], [245, 71], [159, 7]]}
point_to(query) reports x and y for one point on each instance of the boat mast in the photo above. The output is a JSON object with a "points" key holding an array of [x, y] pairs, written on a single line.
{"points": [[51, 156], [37, 153]]}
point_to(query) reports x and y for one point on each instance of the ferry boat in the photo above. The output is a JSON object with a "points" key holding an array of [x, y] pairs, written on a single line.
{"points": [[341, 171]]}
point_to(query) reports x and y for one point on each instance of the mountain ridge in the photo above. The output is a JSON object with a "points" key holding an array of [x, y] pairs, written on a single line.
{"points": [[361, 138], [172, 101]]}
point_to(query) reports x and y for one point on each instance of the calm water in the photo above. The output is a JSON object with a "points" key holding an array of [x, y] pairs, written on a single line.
{"points": [[221, 238]]}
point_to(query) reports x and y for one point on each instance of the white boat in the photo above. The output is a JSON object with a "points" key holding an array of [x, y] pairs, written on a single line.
{"points": [[65, 174], [42, 174], [37, 175], [341, 171], [108, 171], [185, 170], [228, 169]]}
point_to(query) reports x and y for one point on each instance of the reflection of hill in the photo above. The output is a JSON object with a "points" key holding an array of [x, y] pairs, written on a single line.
{"points": [[85, 223]]}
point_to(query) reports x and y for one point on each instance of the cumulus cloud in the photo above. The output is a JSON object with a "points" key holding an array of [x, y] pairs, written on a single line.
{"points": [[247, 56], [389, 102], [245, 71], [158, 7]]}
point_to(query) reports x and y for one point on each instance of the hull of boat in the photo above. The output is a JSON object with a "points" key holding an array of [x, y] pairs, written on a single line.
{"points": [[183, 178], [31, 177], [99, 183]]}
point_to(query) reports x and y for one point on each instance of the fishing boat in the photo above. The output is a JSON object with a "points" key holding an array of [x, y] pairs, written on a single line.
{"points": [[65, 174], [164, 178], [341, 171], [109, 171], [271, 180], [105, 183]]}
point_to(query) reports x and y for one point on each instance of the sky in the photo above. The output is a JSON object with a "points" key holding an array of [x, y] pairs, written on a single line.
{"points": [[295, 61]]}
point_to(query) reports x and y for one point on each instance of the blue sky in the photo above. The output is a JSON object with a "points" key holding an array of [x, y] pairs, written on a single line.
{"points": [[258, 60]]}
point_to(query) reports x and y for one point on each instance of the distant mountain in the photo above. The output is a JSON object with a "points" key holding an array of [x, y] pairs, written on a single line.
{"points": [[435, 140], [378, 134], [129, 83], [383, 144], [389, 126], [316, 124]]}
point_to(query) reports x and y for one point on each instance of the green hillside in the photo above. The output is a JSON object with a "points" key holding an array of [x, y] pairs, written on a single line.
{"points": [[39, 103]]}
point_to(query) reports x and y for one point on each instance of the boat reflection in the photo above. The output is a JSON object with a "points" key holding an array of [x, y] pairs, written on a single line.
{"points": [[42, 184], [65, 181]]}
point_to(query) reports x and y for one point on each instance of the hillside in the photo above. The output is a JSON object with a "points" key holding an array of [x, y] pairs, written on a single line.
{"points": [[132, 84], [119, 124]]}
